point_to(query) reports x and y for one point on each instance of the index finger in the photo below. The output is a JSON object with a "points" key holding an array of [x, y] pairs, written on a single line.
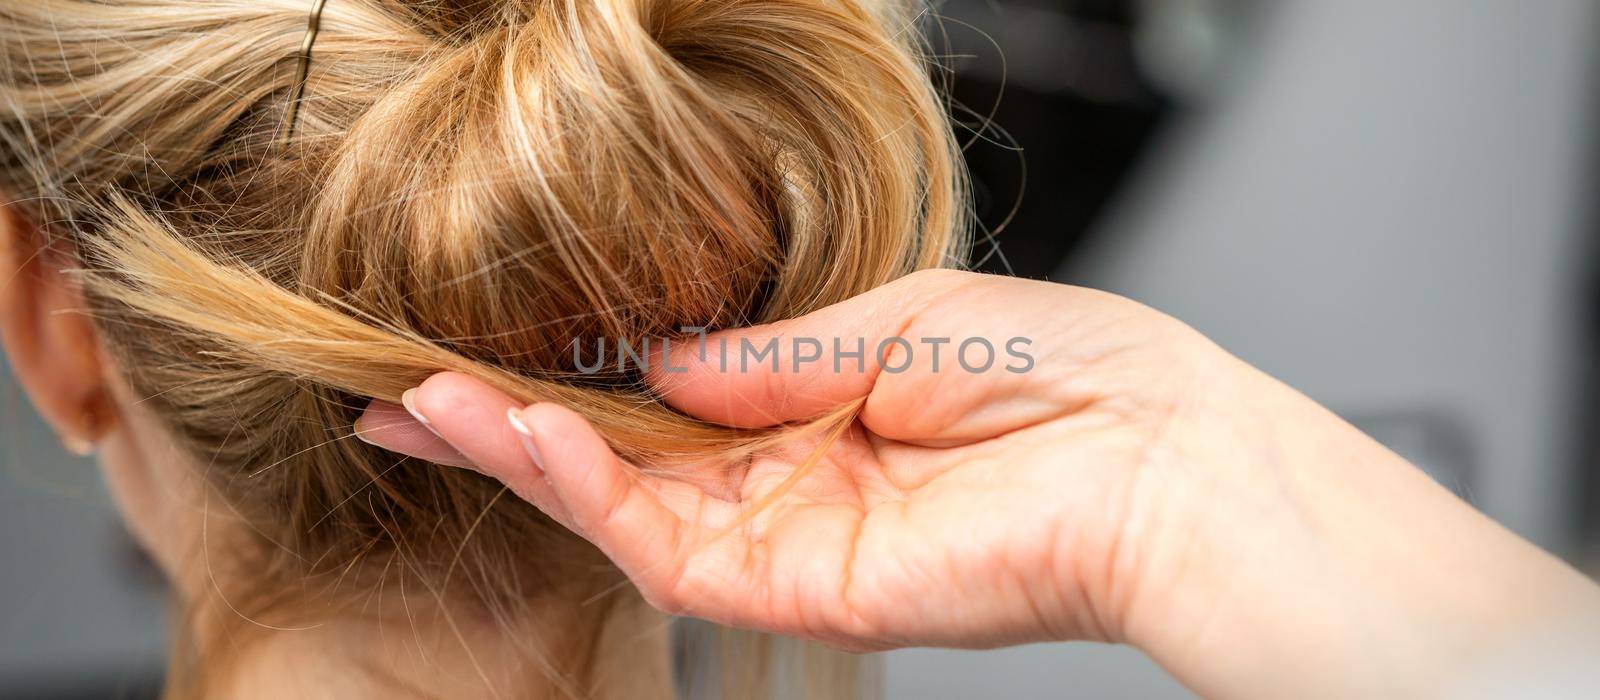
{"points": [[797, 368]]}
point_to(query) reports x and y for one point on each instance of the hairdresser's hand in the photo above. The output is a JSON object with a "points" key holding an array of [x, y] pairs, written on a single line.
{"points": [[1135, 484]]}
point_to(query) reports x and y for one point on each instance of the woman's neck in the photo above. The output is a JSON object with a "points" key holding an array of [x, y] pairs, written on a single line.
{"points": [[391, 637], [413, 647]]}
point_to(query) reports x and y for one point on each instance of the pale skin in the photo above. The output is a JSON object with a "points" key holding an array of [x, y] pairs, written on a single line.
{"points": [[1137, 485]]}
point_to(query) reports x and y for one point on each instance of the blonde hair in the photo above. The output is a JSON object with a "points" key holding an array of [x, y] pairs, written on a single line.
{"points": [[472, 186]]}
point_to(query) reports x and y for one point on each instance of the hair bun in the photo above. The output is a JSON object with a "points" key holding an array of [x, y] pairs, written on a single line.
{"points": [[627, 167]]}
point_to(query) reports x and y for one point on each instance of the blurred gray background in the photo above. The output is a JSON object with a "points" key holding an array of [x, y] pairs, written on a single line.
{"points": [[1386, 204]]}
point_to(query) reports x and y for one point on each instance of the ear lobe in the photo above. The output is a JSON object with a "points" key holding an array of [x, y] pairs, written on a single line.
{"points": [[49, 340]]}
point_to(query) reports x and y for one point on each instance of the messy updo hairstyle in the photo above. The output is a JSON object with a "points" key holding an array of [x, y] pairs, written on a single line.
{"points": [[471, 185]]}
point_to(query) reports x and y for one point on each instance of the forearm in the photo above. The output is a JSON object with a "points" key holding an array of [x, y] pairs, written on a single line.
{"points": [[1325, 565]]}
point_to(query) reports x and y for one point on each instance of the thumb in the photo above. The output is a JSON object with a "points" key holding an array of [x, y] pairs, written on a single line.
{"points": [[797, 368]]}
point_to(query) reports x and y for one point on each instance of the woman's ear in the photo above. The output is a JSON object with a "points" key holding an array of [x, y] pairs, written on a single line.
{"points": [[52, 346]]}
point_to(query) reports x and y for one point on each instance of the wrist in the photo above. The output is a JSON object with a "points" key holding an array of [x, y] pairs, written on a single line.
{"points": [[1301, 557]]}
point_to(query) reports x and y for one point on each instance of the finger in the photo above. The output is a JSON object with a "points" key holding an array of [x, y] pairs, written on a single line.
{"points": [[389, 426], [470, 416], [613, 507], [817, 362], [932, 334]]}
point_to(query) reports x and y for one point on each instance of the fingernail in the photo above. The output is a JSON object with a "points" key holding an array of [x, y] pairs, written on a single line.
{"points": [[525, 435], [409, 401]]}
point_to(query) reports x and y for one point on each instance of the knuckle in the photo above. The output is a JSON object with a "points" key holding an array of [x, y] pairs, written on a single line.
{"points": [[938, 278], [940, 273], [666, 594], [616, 496], [664, 603]]}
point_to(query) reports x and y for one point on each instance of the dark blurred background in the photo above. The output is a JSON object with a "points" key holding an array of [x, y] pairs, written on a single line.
{"points": [[1388, 205]]}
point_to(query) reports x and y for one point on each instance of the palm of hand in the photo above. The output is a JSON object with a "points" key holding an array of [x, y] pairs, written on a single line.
{"points": [[886, 544]]}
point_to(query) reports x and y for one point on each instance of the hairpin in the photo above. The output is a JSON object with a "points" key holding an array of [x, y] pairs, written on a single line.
{"points": [[313, 25]]}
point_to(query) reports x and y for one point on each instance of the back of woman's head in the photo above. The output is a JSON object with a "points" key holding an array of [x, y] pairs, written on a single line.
{"points": [[470, 185]]}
